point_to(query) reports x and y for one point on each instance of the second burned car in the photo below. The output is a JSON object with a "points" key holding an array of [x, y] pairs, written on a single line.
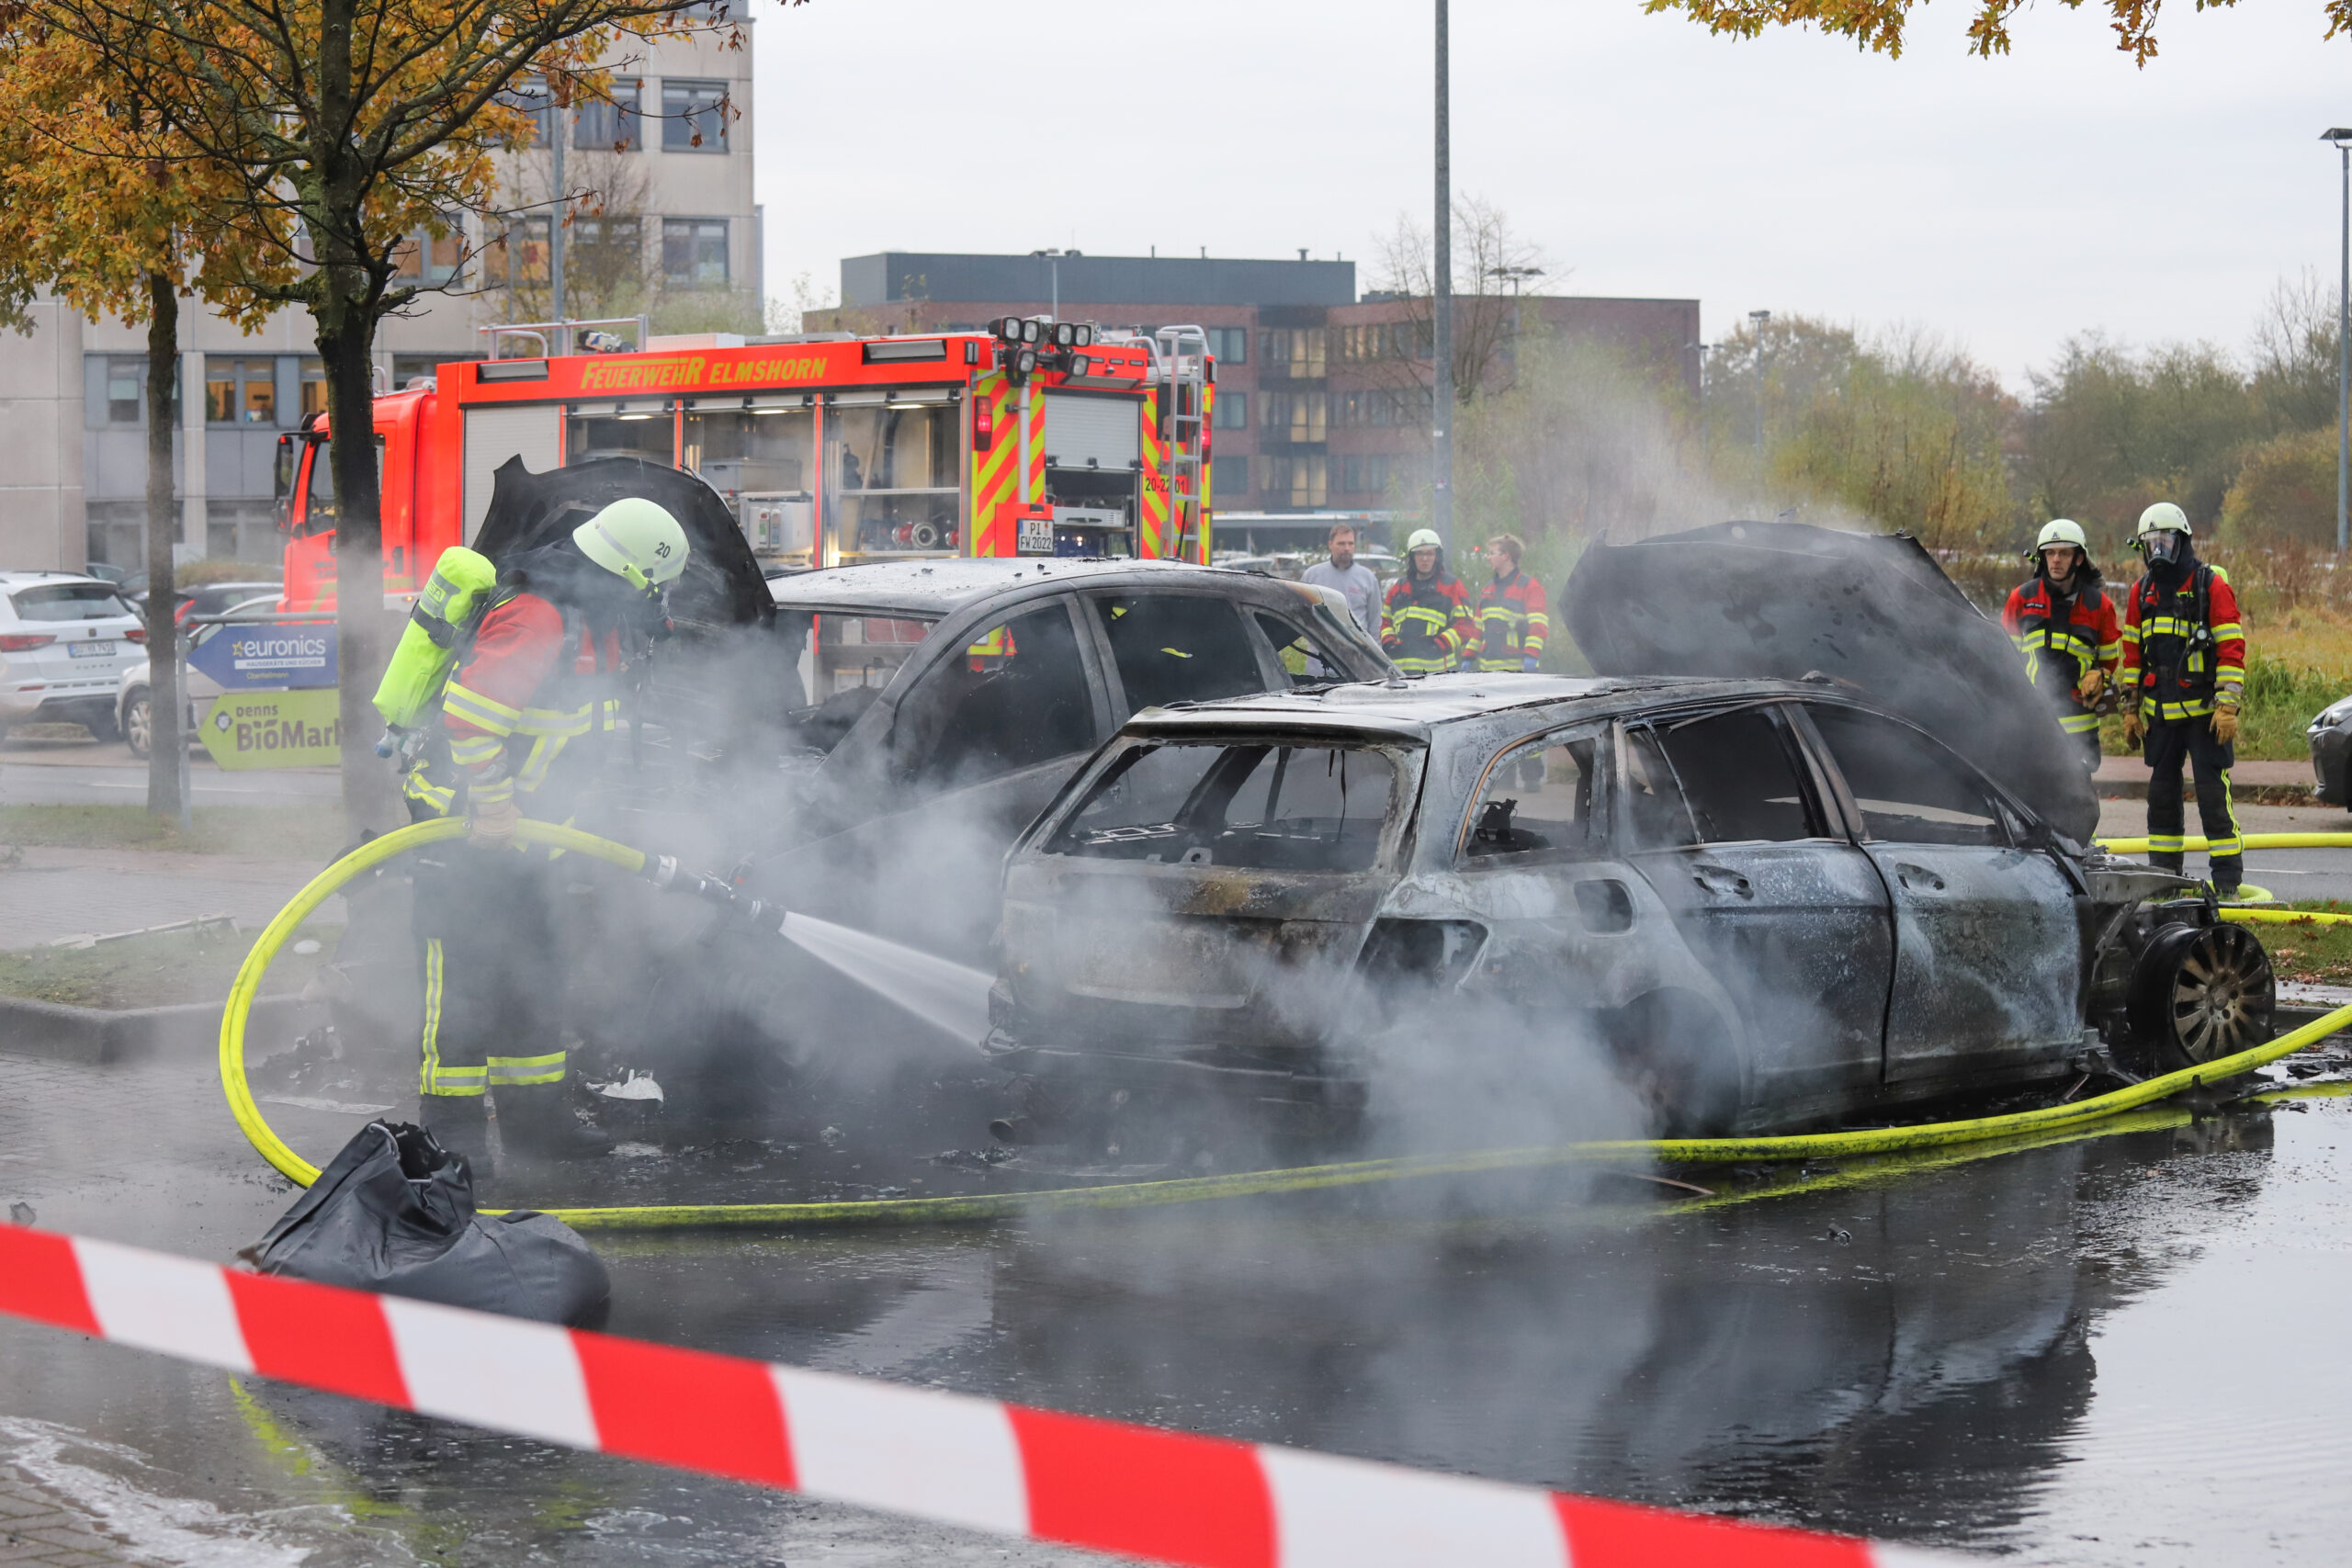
{"points": [[1765, 903]]}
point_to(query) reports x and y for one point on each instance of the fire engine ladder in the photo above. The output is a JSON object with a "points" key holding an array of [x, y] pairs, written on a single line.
{"points": [[1183, 370]]}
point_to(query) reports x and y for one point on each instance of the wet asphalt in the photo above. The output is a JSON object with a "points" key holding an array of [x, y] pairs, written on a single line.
{"points": [[2119, 1349]]}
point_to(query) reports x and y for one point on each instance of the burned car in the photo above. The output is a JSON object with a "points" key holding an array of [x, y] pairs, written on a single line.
{"points": [[1764, 902]]}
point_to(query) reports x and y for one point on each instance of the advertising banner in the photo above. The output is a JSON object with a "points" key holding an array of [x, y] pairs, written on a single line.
{"points": [[273, 730], [250, 659]]}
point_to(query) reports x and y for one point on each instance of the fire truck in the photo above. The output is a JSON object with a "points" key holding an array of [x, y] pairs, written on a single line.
{"points": [[1033, 437]]}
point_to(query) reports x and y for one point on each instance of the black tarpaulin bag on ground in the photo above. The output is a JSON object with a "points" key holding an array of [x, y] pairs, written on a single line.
{"points": [[394, 1211]]}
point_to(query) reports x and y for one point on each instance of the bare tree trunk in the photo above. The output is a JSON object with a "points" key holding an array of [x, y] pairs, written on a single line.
{"points": [[345, 332], [166, 741]]}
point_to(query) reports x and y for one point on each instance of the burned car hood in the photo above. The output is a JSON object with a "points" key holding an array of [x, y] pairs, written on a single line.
{"points": [[721, 585], [1787, 601]]}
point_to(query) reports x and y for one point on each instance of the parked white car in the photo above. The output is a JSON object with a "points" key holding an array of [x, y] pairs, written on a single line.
{"points": [[65, 640], [133, 714]]}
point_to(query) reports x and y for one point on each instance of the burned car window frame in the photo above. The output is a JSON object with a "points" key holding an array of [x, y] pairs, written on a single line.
{"points": [[952, 639], [1830, 816], [1406, 758], [2020, 828], [1599, 835], [1094, 616]]}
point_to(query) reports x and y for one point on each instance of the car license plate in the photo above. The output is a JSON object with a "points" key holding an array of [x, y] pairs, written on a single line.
{"points": [[91, 649], [1036, 536]]}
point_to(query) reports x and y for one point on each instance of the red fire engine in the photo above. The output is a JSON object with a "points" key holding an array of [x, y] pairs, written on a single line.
{"points": [[1037, 438]]}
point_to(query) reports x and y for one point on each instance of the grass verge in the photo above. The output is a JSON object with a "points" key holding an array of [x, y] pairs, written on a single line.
{"points": [[292, 831], [157, 971], [2313, 954]]}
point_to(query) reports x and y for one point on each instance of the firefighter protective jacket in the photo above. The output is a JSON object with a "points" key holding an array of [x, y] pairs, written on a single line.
{"points": [[537, 682], [2060, 648], [1426, 625], [1512, 623], [2184, 650]]}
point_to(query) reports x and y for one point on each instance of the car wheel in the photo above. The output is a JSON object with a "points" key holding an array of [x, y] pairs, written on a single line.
{"points": [[138, 726], [1671, 1051], [2199, 993]]}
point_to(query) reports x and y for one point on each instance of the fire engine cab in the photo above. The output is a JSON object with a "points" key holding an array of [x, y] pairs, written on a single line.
{"points": [[1035, 438]]}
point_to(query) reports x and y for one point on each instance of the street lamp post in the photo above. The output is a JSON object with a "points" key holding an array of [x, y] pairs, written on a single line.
{"points": [[1759, 318], [2342, 138], [1441, 307], [1054, 261]]}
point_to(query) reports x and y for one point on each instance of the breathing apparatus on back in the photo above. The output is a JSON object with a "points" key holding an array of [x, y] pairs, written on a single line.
{"points": [[616, 567]]}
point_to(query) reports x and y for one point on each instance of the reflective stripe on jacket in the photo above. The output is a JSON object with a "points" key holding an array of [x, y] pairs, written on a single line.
{"points": [[2184, 651], [1426, 627], [1512, 622], [2059, 652]]}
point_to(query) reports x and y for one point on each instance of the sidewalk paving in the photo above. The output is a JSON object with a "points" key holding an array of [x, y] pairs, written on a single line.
{"points": [[56, 893], [2128, 775]]}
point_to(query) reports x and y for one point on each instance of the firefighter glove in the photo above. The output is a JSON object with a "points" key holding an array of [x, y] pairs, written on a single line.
{"points": [[493, 822], [2133, 729], [2225, 725], [2094, 679]]}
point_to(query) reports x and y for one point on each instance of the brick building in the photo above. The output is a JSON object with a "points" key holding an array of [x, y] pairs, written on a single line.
{"points": [[1322, 396]]}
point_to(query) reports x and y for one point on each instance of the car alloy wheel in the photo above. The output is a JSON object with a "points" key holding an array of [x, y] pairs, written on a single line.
{"points": [[138, 727], [2200, 993]]}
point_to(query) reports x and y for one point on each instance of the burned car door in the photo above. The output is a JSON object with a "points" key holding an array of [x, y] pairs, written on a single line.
{"points": [[1988, 967], [1724, 816], [985, 734]]}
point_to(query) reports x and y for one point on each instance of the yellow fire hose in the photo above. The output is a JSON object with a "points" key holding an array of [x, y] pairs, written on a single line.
{"points": [[2028, 1128]]}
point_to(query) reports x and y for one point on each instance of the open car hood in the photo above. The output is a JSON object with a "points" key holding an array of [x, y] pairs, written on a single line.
{"points": [[1873, 610], [721, 585]]}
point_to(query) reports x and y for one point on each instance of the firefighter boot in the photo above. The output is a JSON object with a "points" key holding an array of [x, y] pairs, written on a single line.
{"points": [[459, 1123], [537, 1122]]}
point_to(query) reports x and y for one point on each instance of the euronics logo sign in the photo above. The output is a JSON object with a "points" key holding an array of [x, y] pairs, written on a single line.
{"points": [[245, 659]]}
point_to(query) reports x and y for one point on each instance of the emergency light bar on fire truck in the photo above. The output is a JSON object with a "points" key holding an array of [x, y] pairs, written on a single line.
{"points": [[1032, 437]]}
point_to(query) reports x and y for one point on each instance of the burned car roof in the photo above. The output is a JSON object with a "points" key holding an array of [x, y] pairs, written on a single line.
{"points": [[1416, 708], [944, 585]]}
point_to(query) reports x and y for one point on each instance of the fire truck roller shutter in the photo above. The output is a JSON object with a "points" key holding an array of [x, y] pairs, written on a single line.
{"points": [[1097, 432], [493, 436]]}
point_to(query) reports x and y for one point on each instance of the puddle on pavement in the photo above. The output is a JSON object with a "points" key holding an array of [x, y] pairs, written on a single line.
{"points": [[2092, 1353]]}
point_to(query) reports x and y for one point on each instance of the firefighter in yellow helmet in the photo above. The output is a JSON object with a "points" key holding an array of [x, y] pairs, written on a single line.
{"points": [[529, 718]]}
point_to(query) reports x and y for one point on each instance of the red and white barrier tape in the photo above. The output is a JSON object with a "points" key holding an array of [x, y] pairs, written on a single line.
{"points": [[1134, 1491]]}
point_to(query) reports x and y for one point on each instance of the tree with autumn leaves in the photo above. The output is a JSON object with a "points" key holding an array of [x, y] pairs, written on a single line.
{"points": [[101, 207], [322, 135]]}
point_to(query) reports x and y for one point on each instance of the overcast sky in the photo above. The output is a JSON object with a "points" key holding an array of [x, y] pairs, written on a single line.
{"points": [[2003, 204]]}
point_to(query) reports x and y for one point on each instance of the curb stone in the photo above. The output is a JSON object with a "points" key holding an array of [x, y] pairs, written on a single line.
{"points": [[188, 1030]]}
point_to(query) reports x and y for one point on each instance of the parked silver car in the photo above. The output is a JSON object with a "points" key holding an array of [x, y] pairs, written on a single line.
{"points": [[65, 640]]}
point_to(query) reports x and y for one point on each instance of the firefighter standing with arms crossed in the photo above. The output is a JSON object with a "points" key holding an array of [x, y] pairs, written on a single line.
{"points": [[2184, 669], [2062, 621], [1512, 621], [528, 719], [1425, 621]]}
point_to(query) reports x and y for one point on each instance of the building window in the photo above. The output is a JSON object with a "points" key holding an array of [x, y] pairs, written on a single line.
{"points": [[1294, 416], [1232, 410], [240, 391], [534, 100], [693, 251], [422, 257], [1385, 340], [126, 390], [314, 384], [517, 256], [1229, 345], [694, 117], [1365, 474], [1292, 351], [1229, 477], [1292, 481], [615, 126]]}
